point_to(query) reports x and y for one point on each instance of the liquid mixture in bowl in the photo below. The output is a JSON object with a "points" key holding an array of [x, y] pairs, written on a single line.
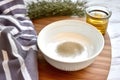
{"points": [[69, 47]]}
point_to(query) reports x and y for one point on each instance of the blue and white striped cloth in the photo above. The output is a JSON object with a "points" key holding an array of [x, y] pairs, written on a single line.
{"points": [[18, 50]]}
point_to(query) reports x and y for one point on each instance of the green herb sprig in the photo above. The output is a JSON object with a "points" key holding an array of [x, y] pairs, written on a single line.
{"points": [[49, 8]]}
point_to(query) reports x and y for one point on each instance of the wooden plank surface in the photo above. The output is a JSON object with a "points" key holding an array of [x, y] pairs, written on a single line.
{"points": [[98, 70]]}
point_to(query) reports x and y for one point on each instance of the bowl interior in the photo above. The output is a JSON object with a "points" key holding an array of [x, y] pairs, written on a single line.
{"points": [[70, 41]]}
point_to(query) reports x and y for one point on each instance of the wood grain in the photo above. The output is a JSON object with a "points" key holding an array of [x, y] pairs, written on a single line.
{"points": [[98, 70]]}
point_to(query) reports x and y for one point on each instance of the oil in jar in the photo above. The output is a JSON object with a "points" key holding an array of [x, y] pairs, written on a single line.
{"points": [[98, 19]]}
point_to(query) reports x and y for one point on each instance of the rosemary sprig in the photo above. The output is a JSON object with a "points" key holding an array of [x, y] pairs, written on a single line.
{"points": [[49, 8]]}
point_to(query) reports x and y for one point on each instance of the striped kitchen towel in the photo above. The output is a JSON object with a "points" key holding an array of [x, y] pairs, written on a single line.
{"points": [[18, 50]]}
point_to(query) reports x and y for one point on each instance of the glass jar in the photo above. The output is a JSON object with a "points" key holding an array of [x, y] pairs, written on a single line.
{"points": [[98, 16]]}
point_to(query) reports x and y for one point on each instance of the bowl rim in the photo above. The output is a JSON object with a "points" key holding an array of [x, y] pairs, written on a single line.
{"points": [[78, 61]]}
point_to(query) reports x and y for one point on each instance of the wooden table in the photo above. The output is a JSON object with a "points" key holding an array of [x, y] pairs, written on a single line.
{"points": [[97, 71]]}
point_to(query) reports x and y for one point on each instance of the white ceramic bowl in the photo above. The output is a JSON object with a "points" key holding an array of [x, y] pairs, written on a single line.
{"points": [[70, 45]]}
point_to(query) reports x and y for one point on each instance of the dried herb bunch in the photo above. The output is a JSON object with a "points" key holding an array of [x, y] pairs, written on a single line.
{"points": [[43, 8]]}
